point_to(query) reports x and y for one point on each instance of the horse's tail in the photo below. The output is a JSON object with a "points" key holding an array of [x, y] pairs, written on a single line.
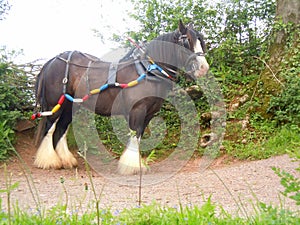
{"points": [[41, 102], [40, 87], [40, 133], [39, 95]]}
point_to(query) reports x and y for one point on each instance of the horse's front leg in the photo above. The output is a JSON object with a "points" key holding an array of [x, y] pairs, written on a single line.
{"points": [[130, 161]]}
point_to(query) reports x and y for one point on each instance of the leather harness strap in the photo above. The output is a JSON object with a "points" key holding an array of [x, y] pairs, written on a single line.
{"points": [[112, 73], [66, 78]]}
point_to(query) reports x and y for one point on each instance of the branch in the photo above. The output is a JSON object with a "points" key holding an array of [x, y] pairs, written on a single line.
{"points": [[270, 71]]}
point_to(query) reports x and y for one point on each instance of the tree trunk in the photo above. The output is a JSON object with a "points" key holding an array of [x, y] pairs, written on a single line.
{"points": [[288, 12]]}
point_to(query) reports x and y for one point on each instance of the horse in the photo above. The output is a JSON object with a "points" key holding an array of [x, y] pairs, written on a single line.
{"points": [[136, 93]]}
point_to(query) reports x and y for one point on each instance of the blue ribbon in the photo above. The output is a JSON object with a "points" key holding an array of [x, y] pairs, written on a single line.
{"points": [[154, 67], [69, 97]]}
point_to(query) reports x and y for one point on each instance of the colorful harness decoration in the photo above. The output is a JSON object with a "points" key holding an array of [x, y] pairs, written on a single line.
{"points": [[142, 76], [86, 97]]}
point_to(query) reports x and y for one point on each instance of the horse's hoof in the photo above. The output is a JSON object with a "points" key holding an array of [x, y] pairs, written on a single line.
{"points": [[50, 162], [130, 170], [69, 163]]}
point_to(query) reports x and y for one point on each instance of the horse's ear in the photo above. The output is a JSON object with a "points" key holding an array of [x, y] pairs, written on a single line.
{"points": [[190, 26], [182, 27]]}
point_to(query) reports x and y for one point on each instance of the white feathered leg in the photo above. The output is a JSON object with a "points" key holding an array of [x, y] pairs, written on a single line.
{"points": [[46, 157], [67, 158], [130, 161]]}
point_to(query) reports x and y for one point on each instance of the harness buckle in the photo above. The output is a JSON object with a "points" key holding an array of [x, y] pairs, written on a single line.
{"points": [[65, 80], [153, 67]]}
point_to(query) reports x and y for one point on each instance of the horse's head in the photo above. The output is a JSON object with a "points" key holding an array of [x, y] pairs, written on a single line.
{"points": [[181, 49], [195, 61]]}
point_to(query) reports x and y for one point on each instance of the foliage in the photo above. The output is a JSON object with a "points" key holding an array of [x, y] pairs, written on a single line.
{"points": [[152, 214], [261, 140], [108, 135], [285, 106], [273, 215], [235, 30], [15, 98], [4, 7], [290, 182], [156, 214], [244, 31], [158, 17], [7, 136]]}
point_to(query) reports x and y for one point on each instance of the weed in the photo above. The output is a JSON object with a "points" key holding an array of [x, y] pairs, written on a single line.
{"points": [[289, 181], [261, 141]]}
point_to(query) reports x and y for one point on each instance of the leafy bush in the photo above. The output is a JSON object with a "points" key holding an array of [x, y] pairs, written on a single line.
{"points": [[236, 31], [286, 105], [7, 136], [15, 99]]}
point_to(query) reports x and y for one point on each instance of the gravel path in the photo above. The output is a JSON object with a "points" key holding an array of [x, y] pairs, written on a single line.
{"points": [[237, 187]]}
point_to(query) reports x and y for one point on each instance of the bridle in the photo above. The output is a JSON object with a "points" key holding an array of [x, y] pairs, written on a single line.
{"points": [[184, 42]]}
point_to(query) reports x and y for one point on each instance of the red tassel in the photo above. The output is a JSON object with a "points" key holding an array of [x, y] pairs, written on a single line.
{"points": [[85, 97], [61, 99], [123, 85], [33, 116]]}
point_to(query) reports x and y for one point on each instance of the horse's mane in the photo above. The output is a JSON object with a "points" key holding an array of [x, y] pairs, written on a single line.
{"points": [[171, 37], [128, 56], [164, 49]]}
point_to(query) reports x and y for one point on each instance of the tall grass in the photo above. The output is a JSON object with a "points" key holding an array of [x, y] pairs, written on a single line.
{"points": [[152, 214], [271, 143]]}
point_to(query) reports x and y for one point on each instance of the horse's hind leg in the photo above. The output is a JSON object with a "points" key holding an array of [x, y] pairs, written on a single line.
{"points": [[46, 157], [60, 139]]}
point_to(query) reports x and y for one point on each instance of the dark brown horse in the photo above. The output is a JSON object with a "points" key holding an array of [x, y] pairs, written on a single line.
{"points": [[137, 93]]}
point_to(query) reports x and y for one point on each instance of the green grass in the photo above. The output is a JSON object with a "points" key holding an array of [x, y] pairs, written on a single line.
{"points": [[152, 214], [261, 143]]}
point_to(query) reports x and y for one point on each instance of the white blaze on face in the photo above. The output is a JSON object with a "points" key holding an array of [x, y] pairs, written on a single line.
{"points": [[202, 63]]}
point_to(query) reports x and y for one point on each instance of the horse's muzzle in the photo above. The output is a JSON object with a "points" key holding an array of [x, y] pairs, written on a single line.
{"points": [[201, 67], [197, 66]]}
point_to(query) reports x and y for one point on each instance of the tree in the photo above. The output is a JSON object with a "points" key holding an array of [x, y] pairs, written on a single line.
{"points": [[285, 35], [280, 76], [236, 31], [4, 7]]}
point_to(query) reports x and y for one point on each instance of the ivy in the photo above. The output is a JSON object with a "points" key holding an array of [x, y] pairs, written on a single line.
{"points": [[285, 106]]}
